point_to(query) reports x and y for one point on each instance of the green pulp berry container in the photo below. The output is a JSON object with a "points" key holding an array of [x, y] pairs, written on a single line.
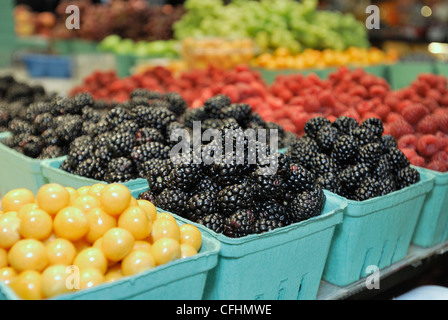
{"points": [[402, 74], [432, 227], [124, 64], [183, 279], [19, 171], [442, 68], [282, 264], [376, 232], [53, 174]]}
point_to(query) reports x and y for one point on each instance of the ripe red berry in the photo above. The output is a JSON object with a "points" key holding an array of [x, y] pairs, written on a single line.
{"points": [[414, 113], [428, 125], [428, 145], [417, 161], [408, 141], [400, 128], [437, 166]]}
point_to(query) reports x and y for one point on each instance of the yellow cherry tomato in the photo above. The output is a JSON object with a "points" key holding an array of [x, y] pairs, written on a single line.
{"points": [[10, 214], [86, 203], [28, 254], [98, 243], [190, 234], [149, 208], [54, 281], [187, 250], [142, 245], [90, 277], [7, 275], [115, 198], [135, 220], [83, 190], [81, 244], [165, 250], [15, 199], [52, 198], [9, 231], [165, 228], [136, 262], [133, 202], [36, 224], [60, 251], [71, 223], [3, 258], [28, 285], [117, 243], [165, 215], [26, 208], [91, 258], [73, 194], [99, 223], [113, 276], [96, 190]]}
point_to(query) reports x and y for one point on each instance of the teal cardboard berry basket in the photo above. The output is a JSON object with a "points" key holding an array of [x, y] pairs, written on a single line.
{"points": [[18, 170], [432, 226], [285, 263], [182, 279], [53, 174], [376, 232]]}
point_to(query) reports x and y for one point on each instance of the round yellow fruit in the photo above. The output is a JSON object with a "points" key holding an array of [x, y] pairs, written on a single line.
{"points": [[149, 208], [165, 250], [117, 243], [115, 198], [7, 274], [70, 223], [9, 231], [187, 250], [28, 285], [3, 258], [52, 198], [96, 190], [90, 277], [60, 251], [190, 234], [35, 224], [91, 258], [54, 281], [73, 194], [136, 262], [165, 228], [28, 254], [135, 220], [86, 203], [99, 223], [15, 199]]}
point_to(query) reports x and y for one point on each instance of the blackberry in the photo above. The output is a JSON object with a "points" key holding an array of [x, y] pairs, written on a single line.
{"points": [[201, 205], [69, 129], [128, 126], [321, 163], [397, 160], [137, 101], [184, 176], [373, 124], [364, 135], [173, 131], [50, 138], [51, 152], [307, 204], [240, 224], [100, 105], [89, 128], [279, 134], [388, 142], [370, 154], [157, 172], [147, 195], [289, 140], [368, 188], [33, 147], [345, 124], [145, 135], [272, 211], [228, 171], [264, 225], [266, 184], [148, 151], [36, 109], [122, 143], [17, 126], [43, 122], [214, 222], [239, 111], [90, 114], [345, 149], [177, 104], [62, 106], [172, 200], [78, 154], [313, 126], [120, 170], [212, 123], [101, 127], [383, 168], [90, 168], [235, 197], [256, 120], [326, 138], [213, 106], [5, 117], [116, 116], [191, 115], [145, 93], [159, 118], [302, 151], [82, 100], [387, 185], [407, 176], [207, 184], [330, 181], [66, 166], [351, 176]]}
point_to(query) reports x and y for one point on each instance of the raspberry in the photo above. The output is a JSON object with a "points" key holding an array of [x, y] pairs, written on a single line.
{"points": [[393, 117], [400, 128], [409, 153], [377, 91], [440, 156], [443, 122], [428, 145], [408, 141], [428, 125], [414, 112], [383, 111], [437, 166], [417, 161]]}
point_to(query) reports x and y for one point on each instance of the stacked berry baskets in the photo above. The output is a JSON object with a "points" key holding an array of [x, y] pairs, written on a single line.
{"points": [[385, 193]]}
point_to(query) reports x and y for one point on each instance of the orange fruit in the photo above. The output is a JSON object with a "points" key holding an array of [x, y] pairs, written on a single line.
{"points": [[26, 208], [165, 250], [3, 258], [149, 208], [91, 258], [15, 199], [190, 234], [99, 223], [136, 262], [54, 281], [7, 274], [83, 191], [165, 215], [28, 254], [117, 243], [90, 277], [73, 194], [9, 231], [187, 250], [135, 220], [165, 228], [142, 245], [86, 202], [28, 285], [52, 198], [96, 190], [35, 224], [70, 223], [60, 251], [115, 198]]}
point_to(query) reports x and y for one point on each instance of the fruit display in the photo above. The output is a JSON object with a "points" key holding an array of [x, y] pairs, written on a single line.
{"points": [[118, 45], [135, 20], [282, 58], [122, 144], [29, 23], [272, 24], [101, 230], [217, 52], [248, 190], [354, 160], [44, 129]]}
